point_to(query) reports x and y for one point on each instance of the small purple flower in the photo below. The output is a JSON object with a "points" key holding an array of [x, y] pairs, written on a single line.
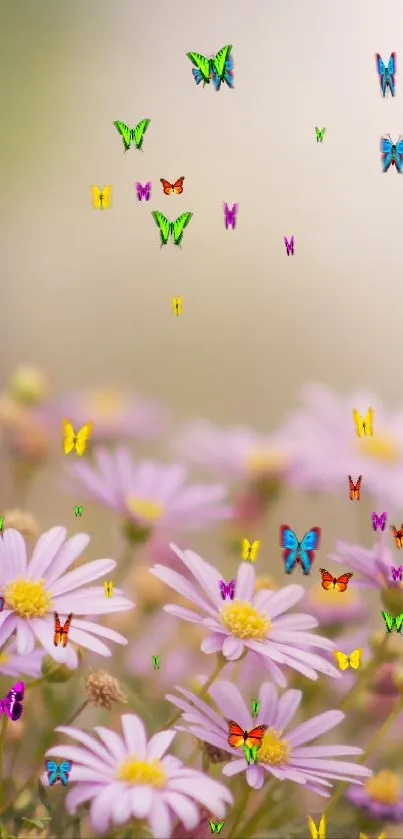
{"points": [[381, 797], [253, 622], [128, 778], [283, 755]]}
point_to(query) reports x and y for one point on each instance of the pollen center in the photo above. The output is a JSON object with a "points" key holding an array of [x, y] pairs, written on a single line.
{"points": [[379, 448], [107, 404], [28, 597], [143, 509], [244, 621], [383, 787], [273, 750], [135, 771], [262, 460]]}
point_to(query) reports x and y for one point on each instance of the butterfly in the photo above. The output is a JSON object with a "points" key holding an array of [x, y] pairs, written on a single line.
{"points": [[355, 489], [398, 536], [61, 632], [177, 305], [250, 549], [78, 511], [230, 216], [238, 737], [58, 771], [386, 74], [108, 586], [155, 661], [203, 67], [295, 551], [169, 188], [391, 622], [317, 832], [11, 704], [392, 154], [289, 245], [250, 754], [143, 191], [339, 583], [101, 197], [255, 708], [320, 133], [166, 227], [363, 424], [364, 836], [222, 66], [397, 572], [379, 521], [227, 590], [353, 660], [73, 440], [132, 135], [216, 827]]}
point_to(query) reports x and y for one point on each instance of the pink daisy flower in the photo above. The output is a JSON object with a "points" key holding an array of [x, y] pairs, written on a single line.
{"points": [[282, 755], [381, 797], [35, 589], [151, 495], [325, 448], [372, 565], [128, 778], [251, 622], [14, 664], [333, 607]]}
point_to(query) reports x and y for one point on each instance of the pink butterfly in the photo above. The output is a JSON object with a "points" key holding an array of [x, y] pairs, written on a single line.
{"points": [[227, 590], [379, 521], [143, 191], [397, 572], [230, 216], [11, 704], [289, 245]]}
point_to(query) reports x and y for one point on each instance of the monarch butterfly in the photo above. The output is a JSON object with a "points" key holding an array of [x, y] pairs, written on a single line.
{"points": [[329, 582], [353, 660], [108, 586], [250, 550], [355, 489], [317, 832], [238, 737], [364, 424], [101, 197], [73, 440], [169, 188], [177, 306], [398, 536], [61, 632]]}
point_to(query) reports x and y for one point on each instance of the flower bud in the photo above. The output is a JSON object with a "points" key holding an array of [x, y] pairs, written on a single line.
{"points": [[103, 690]]}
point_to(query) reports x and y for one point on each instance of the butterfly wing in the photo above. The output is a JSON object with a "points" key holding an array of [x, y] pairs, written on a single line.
{"points": [[317, 832], [124, 132], [381, 71], [139, 131], [82, 438], [386, 149], [235, 735], [96, 197], [106, 197], [398, 622], [376, 521], [327, 579], [255, 736], [178, 185], [202, 64], [69, 436], [342, 581], [383, 520], [369, 418], [65, 630], [147, 191], [309, 544], [212, 826], [342, 659], [179, 226], [163, 224], [246, 548], [2, 603], [140, 191], [223, 589], [177, 305], [355, 658], [64, 771], [13, 696], [389, 621], [57, 634], [391, 72], [220, 826], [219, 61], [254, 550], [359, 422], [289, 542], [167, 186], [52, 769]]}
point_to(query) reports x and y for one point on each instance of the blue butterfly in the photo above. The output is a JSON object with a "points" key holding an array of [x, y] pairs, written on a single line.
{"points": [[58, 771], [386, 74], [295, 551], [392, 154]]}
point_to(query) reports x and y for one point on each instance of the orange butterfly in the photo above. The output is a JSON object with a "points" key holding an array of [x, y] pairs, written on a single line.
{"points": [[398, 536], [355, 489], [329, 582], [177, 187], [61, 632], [238, 737]]}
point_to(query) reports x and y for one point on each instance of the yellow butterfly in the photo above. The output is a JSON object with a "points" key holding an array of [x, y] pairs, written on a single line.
{"points": [[364, 424], [317, 832], [353, 660], [250, 549], [177, 305], [364, 836], [78, 441], [101, 197], [108, 586]]}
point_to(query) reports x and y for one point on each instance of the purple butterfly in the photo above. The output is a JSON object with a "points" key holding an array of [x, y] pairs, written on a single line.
{"points": [[143, 191], [230, 216], [11, 704], [397, 572], [289, 245], [379, 521], [227, 590]]}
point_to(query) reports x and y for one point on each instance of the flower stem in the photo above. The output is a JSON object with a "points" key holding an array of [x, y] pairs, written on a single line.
{"points": [[221, 662], [78, 712], [371, 746]]}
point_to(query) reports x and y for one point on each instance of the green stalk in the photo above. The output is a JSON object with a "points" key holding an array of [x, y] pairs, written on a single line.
{"points": [[221, 662]]}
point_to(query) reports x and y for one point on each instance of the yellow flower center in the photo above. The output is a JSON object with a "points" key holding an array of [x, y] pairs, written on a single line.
{"points": [[261, 460], [135, 771], [4, 658], [383, 787], [265, 582], [148, 510], [322, 597], [106, 404], [244, 621], [379, 448], [27, 597], [273, 750]]}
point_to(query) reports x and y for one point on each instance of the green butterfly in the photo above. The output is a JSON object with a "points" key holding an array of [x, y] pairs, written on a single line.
{"points": [[175, 227], [393, 621], [250, 754], [217, 66], [320, 133], [132, 135], [216, 827]]}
